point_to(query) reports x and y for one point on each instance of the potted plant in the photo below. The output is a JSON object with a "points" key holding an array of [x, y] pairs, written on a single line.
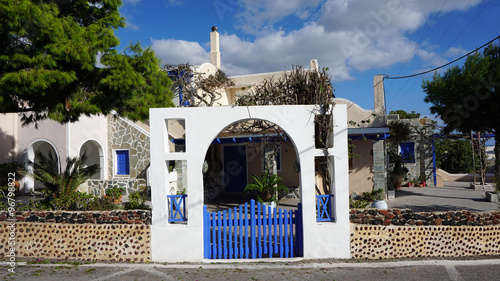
{"points": [[269, 187], [376, 197], [397, 169], [421, 180], [115, 194]]}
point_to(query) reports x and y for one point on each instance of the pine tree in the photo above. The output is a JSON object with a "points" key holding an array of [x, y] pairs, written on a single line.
{"points": [[48, 63]]}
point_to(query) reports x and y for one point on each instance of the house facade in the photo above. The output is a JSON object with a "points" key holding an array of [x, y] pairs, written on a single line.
{"points": [[117, 145], [121, 147], [417, 149]]}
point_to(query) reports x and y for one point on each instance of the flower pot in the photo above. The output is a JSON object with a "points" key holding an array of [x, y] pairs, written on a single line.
{"points": [[397, 180], [116, 201], [379, 204], [269, 204]]}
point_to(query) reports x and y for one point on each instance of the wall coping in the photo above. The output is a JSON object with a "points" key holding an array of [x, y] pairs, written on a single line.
{"points": [[81, 217], [401, 217]]}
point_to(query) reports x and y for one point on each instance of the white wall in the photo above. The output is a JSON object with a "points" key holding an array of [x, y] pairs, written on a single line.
{"points": [[177, 242]]}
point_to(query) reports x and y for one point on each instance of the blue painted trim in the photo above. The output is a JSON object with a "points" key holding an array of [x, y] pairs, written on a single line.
{"points": [[177, 208], [324, 204], [261, 231]]}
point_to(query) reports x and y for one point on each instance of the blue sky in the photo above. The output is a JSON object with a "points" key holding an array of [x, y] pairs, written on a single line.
{"points": [[355, 39]]}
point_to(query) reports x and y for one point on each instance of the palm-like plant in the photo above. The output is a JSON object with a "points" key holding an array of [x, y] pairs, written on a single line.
{"points": [[57, 184], [269, 186]]}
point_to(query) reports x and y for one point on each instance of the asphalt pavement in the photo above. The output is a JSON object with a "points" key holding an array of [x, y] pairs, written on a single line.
{"points": [[455, 270], [453, 196]]}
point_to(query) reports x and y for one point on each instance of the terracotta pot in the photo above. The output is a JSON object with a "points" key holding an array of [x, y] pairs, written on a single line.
{"points": [[397, 180]]}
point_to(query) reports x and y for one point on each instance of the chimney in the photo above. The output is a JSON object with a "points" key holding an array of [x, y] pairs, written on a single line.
{"points": [[214, 48], [313, 65], [379, 95]]}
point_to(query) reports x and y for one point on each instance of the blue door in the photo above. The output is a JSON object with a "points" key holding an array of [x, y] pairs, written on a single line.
{"points": [[235, 168], [122, 162]]}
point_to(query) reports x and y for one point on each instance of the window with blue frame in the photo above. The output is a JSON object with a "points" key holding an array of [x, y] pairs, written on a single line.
{"points": [[122, 162], [407, 150]]}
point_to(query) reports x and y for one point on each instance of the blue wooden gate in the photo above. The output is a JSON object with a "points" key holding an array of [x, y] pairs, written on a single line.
{"points": [[253, 231]]}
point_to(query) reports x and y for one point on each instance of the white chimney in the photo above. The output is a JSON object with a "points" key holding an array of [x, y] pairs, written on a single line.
{"points": [[214, 48], [379, 94], [313, 65]]}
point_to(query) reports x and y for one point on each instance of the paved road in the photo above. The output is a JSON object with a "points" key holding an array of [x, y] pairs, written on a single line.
{"points": [[453, 196], [283, 270]]}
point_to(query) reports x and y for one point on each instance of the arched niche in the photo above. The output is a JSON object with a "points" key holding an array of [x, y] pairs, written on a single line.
{"points": [[94, 152], [45, 147]]}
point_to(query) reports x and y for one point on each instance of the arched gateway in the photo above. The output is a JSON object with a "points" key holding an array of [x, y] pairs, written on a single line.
{"points": [[175, 242]]}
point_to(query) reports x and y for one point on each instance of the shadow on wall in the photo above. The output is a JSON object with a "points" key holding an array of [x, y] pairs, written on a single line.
{"points": [[7, 153]]}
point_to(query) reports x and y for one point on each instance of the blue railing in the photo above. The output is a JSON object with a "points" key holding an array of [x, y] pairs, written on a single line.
{"points": [[324, 207], [177, 208]]}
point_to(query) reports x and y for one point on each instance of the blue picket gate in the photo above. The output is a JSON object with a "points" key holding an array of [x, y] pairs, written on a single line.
{"points": [[253, 231]]}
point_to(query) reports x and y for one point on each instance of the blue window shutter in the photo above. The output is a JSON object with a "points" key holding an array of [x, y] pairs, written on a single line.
{"points": [[122, 162], [408, 151]]}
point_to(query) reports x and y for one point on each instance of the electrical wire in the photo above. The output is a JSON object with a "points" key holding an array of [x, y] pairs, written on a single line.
{"points": [[419, 41], [444, 65]]}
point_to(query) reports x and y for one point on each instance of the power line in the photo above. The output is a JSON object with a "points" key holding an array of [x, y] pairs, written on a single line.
{"points": [[449, 27], [420, 40], [429, 53], [434, 69]]}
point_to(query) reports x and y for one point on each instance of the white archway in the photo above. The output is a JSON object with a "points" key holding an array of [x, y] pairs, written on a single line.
{"points": [[95, 155], [321, 240], [43, 146], [232, 158]]}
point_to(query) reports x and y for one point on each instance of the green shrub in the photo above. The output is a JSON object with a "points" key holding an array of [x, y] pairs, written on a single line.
{"points": [[136, 201], [366, 198], [115, 192], [77, 201]]}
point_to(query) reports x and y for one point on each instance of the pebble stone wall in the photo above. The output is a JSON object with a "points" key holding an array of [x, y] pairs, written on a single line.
{"points": [[388, 234], [88, 242], [388, 242], [120, 236]]}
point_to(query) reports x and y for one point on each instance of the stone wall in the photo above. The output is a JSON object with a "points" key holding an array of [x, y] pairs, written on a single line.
{"points": [[93, 236], [389, 242], [123, 135], [379, 165], [90, 242], [408, 217], [387, 234], [99, 187], [79, 217]]}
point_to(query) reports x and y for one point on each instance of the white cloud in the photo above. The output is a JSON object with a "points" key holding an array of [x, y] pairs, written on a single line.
{"points": [[257, 14], [133, 2], [344, 35], [175, 3], [455, 52], [179, 51]]}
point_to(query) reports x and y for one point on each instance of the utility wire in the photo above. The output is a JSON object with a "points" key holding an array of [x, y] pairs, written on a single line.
{"points": [[434, 69], [456, 18], [429, 53], [420, 41]]}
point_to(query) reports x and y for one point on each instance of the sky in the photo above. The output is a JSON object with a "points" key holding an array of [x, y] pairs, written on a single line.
{"points": [[355, 39]]}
